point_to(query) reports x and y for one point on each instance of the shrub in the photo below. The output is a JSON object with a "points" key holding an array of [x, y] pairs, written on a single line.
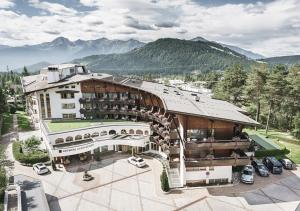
{"points": [[272, 152], [31, 158], [32, 143], [164, 181]]}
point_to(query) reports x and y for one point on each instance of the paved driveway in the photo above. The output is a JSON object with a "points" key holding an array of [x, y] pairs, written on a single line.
{"points": [[121, 186]]}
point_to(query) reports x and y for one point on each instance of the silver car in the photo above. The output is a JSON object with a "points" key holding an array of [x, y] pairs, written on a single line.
{"points": [[40, 168], [248, 174]]}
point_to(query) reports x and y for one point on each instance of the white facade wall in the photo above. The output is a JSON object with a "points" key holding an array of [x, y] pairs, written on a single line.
{"points": [[56, 101], [217, 172]]}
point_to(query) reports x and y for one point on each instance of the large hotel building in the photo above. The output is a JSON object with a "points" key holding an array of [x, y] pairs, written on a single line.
{"points": [[199, 139]]}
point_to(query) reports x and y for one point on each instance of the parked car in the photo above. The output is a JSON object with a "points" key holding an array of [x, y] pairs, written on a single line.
{"points": [[273, 165], [248, 174], [287, 163], [260, 168], [40, 168], [139, 162]]}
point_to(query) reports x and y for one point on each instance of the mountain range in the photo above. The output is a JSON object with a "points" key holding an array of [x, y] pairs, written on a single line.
{"points": [[248, 54], [286, 60], [61, 50], [168, 55], [163, 55]]}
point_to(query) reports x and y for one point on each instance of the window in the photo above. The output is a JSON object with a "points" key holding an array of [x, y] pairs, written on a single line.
{"points": [[69, 116], [139, 132], [66, 87], [123, 131], [73, 86], [78, 137], [95, 134], [59, 141], [112, 132], [131, 131], [87, 135], [103, 133], [48, 106], [68, 105], [43, 106], [69, 138], [67, 95]]}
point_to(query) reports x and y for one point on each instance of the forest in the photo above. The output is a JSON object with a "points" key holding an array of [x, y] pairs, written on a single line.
{"points": [[271, 95]]}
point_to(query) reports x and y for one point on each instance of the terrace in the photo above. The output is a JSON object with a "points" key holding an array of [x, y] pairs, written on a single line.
{"points": [[67, 125]]}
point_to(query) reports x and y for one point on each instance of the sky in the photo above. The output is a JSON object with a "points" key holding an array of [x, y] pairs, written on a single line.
{"points": [[270, 27]]}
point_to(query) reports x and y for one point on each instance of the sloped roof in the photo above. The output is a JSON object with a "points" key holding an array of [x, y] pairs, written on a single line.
{"points": [[174, 100]]}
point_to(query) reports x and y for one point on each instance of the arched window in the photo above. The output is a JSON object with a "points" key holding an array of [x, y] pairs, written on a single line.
{"points": [[87, 135], [123, 131], [95, 134], [131, 131], [139, 132], [146, 133], [59, 141], [78, 137], [112, 132], [69, 138], [103, 133]]}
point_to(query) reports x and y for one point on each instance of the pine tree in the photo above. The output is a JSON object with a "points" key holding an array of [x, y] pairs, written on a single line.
{"points": [[231, 87], [25, 71], [255, 87], [164, 181], [275, 90]]}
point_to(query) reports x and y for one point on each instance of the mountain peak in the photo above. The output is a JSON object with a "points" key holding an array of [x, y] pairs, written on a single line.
{"points": [[200, 39], [61, 41]]}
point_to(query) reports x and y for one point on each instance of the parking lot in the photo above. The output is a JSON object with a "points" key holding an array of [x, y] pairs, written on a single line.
{"points": [[118, 185]]}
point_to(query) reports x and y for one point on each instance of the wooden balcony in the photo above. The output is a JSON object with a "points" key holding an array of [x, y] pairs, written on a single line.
{"points": [[219, 144], [220, 161]]}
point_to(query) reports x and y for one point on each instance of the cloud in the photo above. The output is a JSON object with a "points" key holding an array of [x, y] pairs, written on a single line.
{"points": [[6, 4], [134, 23], [52, 8], [166, 24], [271, 28], [52, 32]]}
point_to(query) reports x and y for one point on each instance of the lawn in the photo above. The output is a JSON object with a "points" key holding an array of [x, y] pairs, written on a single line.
{"points": [[58, 126], [282, 139], [6, 123], [23, 121]]}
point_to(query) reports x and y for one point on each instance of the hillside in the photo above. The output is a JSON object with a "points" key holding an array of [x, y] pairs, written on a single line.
{"points": [[61, 50], [286, 60], [167, 56], [247, 53]]}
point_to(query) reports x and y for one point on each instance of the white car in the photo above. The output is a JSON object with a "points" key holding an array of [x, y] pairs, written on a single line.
{"points": [[139, 162], [248, 174], [40, 168]]}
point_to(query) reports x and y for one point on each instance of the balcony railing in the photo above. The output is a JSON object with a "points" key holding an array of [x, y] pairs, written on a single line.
{"points": [[217, 161], [219, 144]]}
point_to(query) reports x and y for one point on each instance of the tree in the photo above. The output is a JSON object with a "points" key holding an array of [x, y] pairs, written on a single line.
{"points": [[255, 86], [25, 71], [275, 90], [164, 181], [230, 88], [3, 104]]}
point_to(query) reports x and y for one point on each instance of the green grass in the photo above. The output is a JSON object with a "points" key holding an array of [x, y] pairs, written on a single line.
{"points": [[294, 151], [7, 123], [58, 126], [23, 121], [282, 139]]}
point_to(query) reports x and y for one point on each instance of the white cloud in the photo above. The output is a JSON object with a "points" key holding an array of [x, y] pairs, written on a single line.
{"points": [[269, 28], [6, 4], [52, 8]]}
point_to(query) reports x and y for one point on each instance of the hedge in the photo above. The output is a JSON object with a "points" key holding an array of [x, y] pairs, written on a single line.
{"points": [[271, 152], [30, 158]]}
